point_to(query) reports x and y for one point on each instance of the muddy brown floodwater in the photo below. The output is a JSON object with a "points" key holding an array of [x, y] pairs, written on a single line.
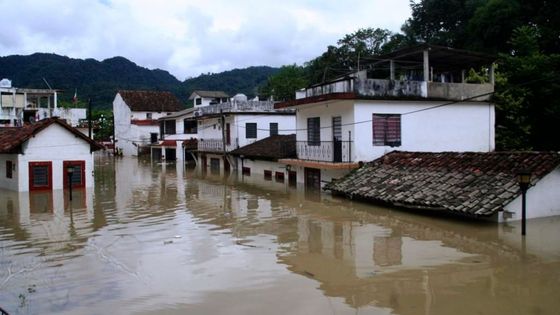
{"points": [[159, 239]]}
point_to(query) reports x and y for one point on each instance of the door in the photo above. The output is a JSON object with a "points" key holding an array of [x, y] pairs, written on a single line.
{"points": [[312, 178], [227, 167], [337, 139], [228, 134]]}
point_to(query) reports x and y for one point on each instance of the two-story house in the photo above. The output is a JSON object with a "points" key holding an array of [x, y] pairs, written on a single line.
{"points": [[178, 137], [136, 115], [415, 99], [228, 126]]}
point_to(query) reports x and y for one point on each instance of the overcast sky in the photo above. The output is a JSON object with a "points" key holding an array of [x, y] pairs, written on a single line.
{"points": [[187, 37]]}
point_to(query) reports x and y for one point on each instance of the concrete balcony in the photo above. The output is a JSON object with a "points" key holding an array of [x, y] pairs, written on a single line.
{"points": [[236, 107], [216, 145]]}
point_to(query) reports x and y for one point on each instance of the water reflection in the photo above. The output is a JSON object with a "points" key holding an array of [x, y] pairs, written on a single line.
{"points": [[161, 238]]}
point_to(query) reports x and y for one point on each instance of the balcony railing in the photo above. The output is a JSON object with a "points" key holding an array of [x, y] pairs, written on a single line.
{"points": [[216, 145], [325, 151], [238, 106]]}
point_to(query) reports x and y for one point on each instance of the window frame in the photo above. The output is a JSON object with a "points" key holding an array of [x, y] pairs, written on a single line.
{"points": [[314, 131], [249, 131], [82, 165], [383, 131], [32, 186]]}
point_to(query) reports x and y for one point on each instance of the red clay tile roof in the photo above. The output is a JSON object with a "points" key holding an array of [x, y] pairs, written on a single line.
{"points": [[151, 101], [271, 148], [11, 138], [190, 144], [477, 184]]}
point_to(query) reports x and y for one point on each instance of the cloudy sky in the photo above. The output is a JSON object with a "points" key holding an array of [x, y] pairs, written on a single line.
{"points": [[190, 37]]}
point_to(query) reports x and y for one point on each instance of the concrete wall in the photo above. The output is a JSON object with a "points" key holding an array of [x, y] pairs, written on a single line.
{"points": [[9, 183], [55, 144], [130, 136], [543, 200], [459, 127]]}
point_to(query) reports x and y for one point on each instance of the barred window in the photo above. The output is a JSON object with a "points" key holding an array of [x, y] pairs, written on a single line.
{"points": [[273, 129], [251, 130], [313, 131], [386, 130]]}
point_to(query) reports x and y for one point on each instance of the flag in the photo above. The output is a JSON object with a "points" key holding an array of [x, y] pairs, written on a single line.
{"points": [[75, 98]]}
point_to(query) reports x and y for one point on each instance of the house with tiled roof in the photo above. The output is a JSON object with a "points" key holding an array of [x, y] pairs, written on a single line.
{"points": [[260, 159], [474, 184], [136, 115], [36, 156], [225, 127], [415, 99], [204, 98]]}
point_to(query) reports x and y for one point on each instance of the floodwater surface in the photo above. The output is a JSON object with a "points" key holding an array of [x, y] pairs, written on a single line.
{"points": [[159, 239]]}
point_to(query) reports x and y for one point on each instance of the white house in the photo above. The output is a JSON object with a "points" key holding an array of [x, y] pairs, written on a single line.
{"points": [[178, 137], [227, 126], [205, 98], [136, 115], [36, 156], [360, 118]]}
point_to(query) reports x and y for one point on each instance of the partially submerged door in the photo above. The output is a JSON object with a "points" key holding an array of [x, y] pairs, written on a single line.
{"points": [[312, 178], [337, 139]]}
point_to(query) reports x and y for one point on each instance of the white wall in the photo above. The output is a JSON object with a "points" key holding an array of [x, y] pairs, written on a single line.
{"points": [[286, 125], [128, 135], [457, 128], [55, 144], [543, 199], [8, 183]]}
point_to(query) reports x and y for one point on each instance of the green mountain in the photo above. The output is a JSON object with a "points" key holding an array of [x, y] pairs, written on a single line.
{"points": [[100, 80]]}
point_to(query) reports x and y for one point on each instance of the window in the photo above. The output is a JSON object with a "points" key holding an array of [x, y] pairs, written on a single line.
{"points": [[148, 115], [251, 130], [246, 171], [267, 175], [279, 176], [386, 130], [9, 169], [313, 131], [40, 175], [273, 129], [169, 127], [224, 99], [78, 175], [198, 101], [189, 126], [153, 137]]}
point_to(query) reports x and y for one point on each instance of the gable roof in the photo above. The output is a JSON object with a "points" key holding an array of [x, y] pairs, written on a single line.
{"points": [[11, 138], [208, 94], [476, 184], [151, 101], [271, 148]]}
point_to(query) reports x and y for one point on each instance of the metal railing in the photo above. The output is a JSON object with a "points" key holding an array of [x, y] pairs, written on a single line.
{"points": [[216, 145], [238, 106], [325, 151]]}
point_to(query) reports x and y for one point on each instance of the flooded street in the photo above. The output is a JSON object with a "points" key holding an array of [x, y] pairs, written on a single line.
{"points": [[159, 239]]}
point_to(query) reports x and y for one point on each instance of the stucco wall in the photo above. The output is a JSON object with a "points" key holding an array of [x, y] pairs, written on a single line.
{"points": [[543, 200], [458, 127], [9, 183], [54, 144]]}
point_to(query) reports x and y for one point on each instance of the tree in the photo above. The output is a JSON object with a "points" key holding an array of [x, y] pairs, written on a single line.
{"points": [[283, 85]]}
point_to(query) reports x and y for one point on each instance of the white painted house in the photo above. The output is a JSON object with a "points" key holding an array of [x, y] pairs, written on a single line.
{"points": [[136, 115], [205, 98], [225, 127], [360, 117], [178, 137], [36, 156]]}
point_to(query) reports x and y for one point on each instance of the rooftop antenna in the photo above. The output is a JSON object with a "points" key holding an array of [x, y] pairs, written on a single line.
{"points": [[47, 83]]}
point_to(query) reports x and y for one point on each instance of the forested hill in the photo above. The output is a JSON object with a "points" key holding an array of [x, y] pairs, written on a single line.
{"points": [[99, 80]]}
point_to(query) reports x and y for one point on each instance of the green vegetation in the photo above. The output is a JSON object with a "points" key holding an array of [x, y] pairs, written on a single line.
{"points": [[524, 35], [100, 80]]}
